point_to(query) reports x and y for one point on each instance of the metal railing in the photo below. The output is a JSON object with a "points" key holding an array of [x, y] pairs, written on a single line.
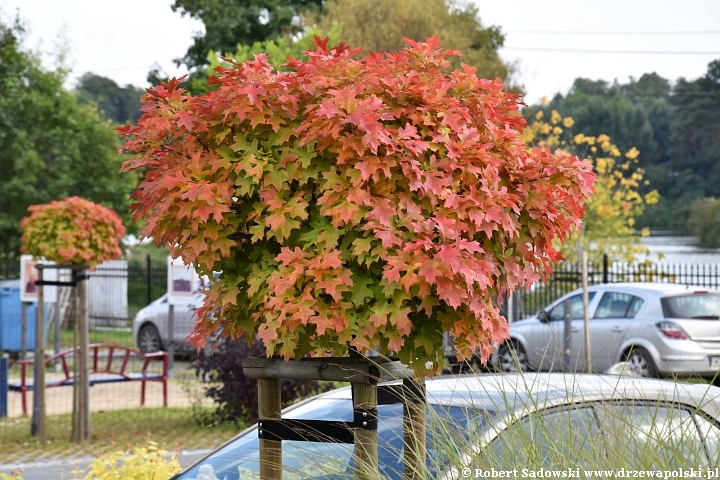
{"points": [[566, 277]]}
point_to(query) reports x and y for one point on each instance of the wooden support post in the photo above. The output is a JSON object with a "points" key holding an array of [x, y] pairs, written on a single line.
{"points": [[414, 427], [269, 407], [81, 393], [37, 426], [366, 441]]}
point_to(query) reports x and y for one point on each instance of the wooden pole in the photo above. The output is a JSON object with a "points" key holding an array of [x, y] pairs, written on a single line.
{"points": [[37, 426], [586, 313], [75, 432], [84, 373], [81, 393], [269, 407], [366, 441], [414, 426]]}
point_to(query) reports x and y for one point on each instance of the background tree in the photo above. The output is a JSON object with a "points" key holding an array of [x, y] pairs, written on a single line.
{"points": [[612, 210], [232, 22], [51, 147], [676, 127], [118, 104], [381, 26], [277, 50]]}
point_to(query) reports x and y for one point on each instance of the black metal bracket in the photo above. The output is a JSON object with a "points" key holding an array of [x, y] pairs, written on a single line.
{"points": [[72, 283], [305, 430], [317, 430], [367, 419]]}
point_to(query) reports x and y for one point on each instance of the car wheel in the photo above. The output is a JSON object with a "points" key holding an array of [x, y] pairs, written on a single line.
{"points": [[149, 339], [641, 363], [511, 358]]}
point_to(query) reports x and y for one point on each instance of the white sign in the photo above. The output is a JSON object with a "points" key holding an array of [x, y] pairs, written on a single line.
{"points": [[29, 275], [182, 282]]}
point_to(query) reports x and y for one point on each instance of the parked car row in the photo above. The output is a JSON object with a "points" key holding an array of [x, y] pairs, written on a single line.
{"points": [[659, 329]]}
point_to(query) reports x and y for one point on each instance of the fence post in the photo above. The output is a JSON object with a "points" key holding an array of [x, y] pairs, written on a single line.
{"points": [[605, 268], [148, 262]]}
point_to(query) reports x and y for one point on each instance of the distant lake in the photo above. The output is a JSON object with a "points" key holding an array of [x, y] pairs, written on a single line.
{"points": [[680, 249]]}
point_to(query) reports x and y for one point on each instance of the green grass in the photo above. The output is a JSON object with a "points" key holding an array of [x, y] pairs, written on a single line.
{"points": [[173, 427], [116, 337]]}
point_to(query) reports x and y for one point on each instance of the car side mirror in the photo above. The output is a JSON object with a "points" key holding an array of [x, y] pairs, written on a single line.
{"points": [[542, 315]]}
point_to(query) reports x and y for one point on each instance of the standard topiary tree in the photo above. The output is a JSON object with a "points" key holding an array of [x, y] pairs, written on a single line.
{"points": [[370, 203], [73, 231]]}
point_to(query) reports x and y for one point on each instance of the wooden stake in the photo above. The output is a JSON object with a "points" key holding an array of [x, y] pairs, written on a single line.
{"points": [[269, 407], [81, 393], [366, 441], [414, 426], [38, 416]]}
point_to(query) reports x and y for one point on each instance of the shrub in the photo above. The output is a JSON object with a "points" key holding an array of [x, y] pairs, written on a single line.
{"points": [[704, 221], [141, 462], [236, 394]]}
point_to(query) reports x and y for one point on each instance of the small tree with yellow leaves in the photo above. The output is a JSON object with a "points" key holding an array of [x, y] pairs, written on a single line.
{"points": [[609, 225]]}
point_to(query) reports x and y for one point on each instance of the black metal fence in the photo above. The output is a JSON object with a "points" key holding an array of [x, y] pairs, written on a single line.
{"points": [[147, 281], [567, 276]]}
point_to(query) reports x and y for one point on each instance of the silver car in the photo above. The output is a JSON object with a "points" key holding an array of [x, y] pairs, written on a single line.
{"points": [[480, 423], [660, 329], [150, 326]]}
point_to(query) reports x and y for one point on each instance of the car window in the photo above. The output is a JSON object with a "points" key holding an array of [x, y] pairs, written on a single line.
{"points": [[618, 305], [576, 307], [650, 435], [448, 428], [711, 437], [548, 439], [695, 305]]}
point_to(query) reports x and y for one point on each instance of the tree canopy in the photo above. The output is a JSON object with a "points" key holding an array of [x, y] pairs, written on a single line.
{"points": [[232, 22], [116, 103], [381, 27], [675, 127], [366, 203], [51, 146], [613, 209]]}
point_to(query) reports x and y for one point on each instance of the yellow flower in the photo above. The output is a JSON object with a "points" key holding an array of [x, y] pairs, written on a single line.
{"points": [[557, 131], [555, 117], [539, 115], [632, 153], [568, 122], [579, 138]]}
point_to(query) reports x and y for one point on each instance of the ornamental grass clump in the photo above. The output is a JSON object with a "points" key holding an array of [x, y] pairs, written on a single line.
{"points": [[370, 203], [72, 231]]}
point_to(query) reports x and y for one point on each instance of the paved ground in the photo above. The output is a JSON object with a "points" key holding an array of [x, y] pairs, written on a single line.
{"points": [[62, 468]]}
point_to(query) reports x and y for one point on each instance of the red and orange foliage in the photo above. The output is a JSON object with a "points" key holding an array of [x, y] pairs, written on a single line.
{"points": [[372, 203], [73, 231]]}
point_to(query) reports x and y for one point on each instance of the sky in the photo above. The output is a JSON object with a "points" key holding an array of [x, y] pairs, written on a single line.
{"points": [[552, 42]]}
